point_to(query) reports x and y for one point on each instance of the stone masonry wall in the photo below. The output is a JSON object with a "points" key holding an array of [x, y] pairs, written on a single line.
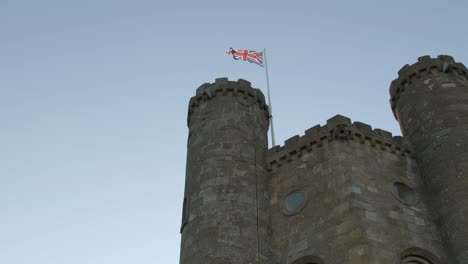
{"points": [[370, 197], [430, 101], [351, 215], [225, 165]]}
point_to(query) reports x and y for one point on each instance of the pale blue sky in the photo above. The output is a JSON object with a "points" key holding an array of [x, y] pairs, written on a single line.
{"points": [[94, 94]]}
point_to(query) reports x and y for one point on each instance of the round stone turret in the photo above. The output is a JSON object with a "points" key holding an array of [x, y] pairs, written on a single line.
{"points": [[226, 158], [430, 101]]}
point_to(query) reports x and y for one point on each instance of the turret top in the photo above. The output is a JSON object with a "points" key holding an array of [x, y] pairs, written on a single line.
{"points": [[424, 65], [223, 86]]}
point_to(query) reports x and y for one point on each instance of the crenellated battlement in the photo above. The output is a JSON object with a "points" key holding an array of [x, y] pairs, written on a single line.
{"points": [[337, 128], [388, 197], [425, 66], [223, 87]]}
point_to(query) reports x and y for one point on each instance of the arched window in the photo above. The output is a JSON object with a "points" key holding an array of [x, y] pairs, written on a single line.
{"points": [[308, 260], [418, 256]]}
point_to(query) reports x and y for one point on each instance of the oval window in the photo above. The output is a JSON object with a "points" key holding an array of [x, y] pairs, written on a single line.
{"points": [[294, 202], [404, 193]]}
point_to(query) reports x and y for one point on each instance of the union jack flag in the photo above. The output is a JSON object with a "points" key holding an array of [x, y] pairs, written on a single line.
{"points": [[247, 55]]}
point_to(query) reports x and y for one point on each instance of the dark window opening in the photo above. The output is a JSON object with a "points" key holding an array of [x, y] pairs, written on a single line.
{"points": [[185, 215]]}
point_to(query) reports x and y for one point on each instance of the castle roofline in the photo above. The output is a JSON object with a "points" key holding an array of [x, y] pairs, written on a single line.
{"points": [[222, 86], [337, 127], [424, 66]]}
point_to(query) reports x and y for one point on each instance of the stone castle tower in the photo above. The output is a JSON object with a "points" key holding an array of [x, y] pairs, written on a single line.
{"points": [[343, 193]]}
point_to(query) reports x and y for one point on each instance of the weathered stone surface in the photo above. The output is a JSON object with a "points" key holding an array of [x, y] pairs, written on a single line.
{"points": [[433, 114], [226, 172], [350, 204], [370, 197]]}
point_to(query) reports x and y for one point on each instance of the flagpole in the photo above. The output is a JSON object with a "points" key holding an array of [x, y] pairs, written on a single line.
{"points": [[269, 99]]}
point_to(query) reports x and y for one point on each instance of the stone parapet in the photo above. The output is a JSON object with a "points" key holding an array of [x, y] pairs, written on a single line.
{"points": [[425, 66], [223, 87], [337, 128]]}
